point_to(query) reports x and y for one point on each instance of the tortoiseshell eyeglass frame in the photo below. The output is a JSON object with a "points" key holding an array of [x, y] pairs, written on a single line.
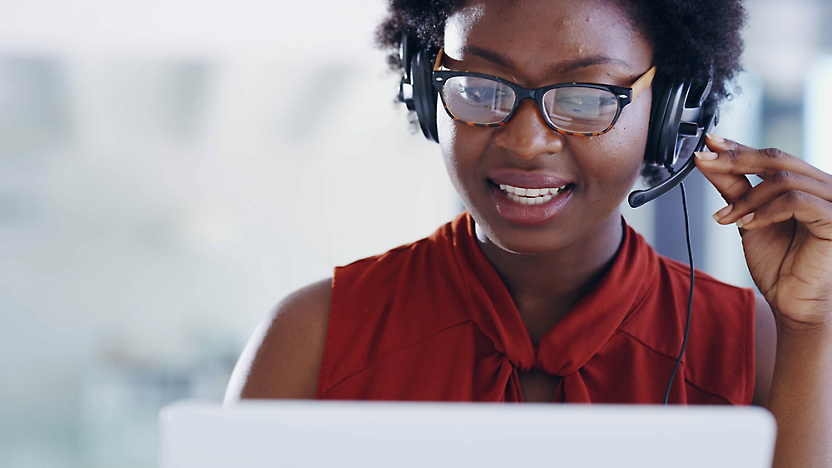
{"points": [[624, 95]]}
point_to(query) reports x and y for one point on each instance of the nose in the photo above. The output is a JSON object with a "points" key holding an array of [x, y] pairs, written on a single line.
{"points": [[526, 134]]}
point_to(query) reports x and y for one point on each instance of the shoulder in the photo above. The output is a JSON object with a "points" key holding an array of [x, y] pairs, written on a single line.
{"points": [[720, 355], [373, 283], [712, 297], [282, 358], [709, 291], [722, 313], [669, 279]]}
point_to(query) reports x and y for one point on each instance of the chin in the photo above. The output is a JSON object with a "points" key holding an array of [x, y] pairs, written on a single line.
{"points": [[559, 235], [527, 240]]}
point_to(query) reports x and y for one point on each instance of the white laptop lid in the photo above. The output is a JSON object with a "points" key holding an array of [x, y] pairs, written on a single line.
{"points": [[255, 434]]}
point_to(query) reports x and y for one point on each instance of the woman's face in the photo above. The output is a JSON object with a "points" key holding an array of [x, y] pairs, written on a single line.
{"points": [[535, 43]]}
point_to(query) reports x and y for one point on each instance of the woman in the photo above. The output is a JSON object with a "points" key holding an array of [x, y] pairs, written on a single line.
{"points": [[541, 293]]}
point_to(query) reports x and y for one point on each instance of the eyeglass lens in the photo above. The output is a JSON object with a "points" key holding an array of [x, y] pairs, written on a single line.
{"points": [[484, 101]]}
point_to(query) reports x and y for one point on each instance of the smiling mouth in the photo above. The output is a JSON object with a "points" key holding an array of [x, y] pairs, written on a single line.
{"points": [[529, 196]]}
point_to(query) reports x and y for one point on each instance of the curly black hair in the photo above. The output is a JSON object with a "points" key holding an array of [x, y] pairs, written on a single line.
{"points": [[691, 39]]}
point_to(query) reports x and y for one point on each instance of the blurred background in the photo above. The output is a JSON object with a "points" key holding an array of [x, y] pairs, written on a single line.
{"points": [[171, 169]]}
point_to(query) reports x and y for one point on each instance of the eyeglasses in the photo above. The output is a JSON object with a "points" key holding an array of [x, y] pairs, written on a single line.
{"points": [[585, 109]]}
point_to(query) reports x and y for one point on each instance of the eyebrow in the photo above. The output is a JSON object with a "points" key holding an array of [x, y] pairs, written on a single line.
{"points": [[560, 68]]}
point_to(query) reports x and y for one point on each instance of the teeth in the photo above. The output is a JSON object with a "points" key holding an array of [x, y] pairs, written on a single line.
{"points": [[526, 196]]}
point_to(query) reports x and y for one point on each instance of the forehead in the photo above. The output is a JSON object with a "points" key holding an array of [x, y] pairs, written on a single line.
{"points": [[539, 34]]}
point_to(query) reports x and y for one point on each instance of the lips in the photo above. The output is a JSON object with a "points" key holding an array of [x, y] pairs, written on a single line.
{"points": [[533, 180], [528, 198]]}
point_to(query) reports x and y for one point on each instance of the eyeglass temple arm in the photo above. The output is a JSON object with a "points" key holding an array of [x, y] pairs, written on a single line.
{"points": [[438, 63], [642, 83]]}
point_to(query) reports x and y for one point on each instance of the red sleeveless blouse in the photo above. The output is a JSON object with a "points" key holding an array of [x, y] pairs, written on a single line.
{"points": [[432, 320]]}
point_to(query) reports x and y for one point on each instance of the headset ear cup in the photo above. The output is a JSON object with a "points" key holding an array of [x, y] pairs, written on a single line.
{"points": [[659, 104], [665, 117], [669, 136], [424, 95]]}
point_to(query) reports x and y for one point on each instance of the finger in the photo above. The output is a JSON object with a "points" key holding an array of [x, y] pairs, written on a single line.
{"points": [[731, 186], [739, 159], [813, 212], [765, 192]]}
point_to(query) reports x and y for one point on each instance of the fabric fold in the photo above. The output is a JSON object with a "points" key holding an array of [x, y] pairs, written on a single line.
{"points": [[565, 348]]}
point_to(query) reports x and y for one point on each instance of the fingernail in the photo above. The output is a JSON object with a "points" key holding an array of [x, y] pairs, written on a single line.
{"points": [[723, 212], [745, 220], [706, 155], [715, 138]]}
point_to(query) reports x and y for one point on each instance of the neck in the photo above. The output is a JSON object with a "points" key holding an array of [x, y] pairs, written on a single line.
{"points": [[546, 287]]}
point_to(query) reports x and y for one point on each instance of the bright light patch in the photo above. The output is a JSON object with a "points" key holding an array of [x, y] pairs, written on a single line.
{"points": [[818, 114]]}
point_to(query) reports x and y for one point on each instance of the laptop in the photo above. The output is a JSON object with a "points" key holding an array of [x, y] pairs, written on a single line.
{"points": [[294, 433]]}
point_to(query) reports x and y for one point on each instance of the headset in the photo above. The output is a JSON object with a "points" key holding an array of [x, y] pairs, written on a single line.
{"points": [[680, 117]]}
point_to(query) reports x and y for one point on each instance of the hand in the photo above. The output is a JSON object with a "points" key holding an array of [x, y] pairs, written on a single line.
{"points": [[785, 223]]}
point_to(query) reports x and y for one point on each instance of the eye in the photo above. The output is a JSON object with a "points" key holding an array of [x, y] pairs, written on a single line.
{"points": [[586, 104], [579, 102], [482, 95], [478, 100]]}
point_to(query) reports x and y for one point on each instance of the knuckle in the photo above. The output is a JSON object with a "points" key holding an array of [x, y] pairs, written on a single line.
{"points": [[782, 178], [773, 154], [732, 155], [794, 197]]}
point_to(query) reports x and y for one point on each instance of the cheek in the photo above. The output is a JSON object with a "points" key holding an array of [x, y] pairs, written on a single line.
{"points": [[625, 151], [628, 139], [447, 133], [462, 149], [623, 155], [448, 142]]}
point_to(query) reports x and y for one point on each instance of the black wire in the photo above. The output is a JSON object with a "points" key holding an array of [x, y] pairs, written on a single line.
{"points": [[690, 295]]}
